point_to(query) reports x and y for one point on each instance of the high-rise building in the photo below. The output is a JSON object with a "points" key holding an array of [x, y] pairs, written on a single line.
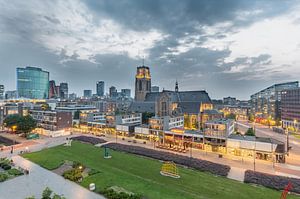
{"points": [[142, 83], [52, 89], [87, 93], [100, 88], [63, 90], [126, 92], [112, 91], [290, 109], [154, 89], [266, 104], [1, 91], [32, 83], [72, 96]]}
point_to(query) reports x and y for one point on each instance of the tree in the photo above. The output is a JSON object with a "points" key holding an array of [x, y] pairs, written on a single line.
{"points": [[20, 124], [250, 132], [45, 107], [27, 124], [47, 193], [76, 115], [146, 116], [231, 116], [251, 117], [12, 121]]}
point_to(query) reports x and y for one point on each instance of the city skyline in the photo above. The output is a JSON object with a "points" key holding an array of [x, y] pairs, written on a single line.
{"points": [[222, 49]]}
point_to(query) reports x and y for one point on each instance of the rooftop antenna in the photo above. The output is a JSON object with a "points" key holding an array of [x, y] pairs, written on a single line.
{"points": [[143, 60]]}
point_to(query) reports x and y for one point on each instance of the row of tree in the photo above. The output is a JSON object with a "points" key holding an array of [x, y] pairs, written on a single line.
{"points": [[20, 124]]}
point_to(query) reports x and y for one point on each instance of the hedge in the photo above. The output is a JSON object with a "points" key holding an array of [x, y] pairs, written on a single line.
{"points": [[198, 164], [271, 181]]}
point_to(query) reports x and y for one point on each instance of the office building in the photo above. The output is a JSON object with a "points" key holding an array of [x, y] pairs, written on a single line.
{"points": [[266, 104], [1, 92], [87, 93], [11, 95], [63, 90], [126, 93], [142, 83], [154, 89], [290, 110], [32, 83], [113, 92], [72, 96], [52, 90], [100, 88]]}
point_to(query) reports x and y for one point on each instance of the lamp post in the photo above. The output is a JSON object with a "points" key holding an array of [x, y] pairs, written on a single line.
{"points": [[295, 123], [254, 155], [287, 140]]}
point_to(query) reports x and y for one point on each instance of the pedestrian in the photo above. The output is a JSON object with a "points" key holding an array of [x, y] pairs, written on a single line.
{"points": [[12, 149]]}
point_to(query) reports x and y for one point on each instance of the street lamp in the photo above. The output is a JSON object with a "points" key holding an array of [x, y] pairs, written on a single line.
{"points": [[254, 155], [295, 123]]}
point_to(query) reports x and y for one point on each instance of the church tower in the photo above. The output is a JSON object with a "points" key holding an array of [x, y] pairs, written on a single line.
{"points": [[142, 83]]}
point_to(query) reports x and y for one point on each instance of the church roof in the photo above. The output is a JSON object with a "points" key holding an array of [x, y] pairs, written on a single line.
{"points": [[181, 96], [142, 107]]}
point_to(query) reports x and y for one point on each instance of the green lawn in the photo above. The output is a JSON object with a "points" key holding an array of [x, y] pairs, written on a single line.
{"points": [[141, 175]]}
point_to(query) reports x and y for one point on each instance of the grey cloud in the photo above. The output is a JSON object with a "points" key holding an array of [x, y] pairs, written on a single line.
{"points": [[198, 68]]}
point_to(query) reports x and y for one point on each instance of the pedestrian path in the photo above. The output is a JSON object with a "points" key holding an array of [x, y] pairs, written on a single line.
{"points": [[101, 144], [37, 180], [236, 173]]}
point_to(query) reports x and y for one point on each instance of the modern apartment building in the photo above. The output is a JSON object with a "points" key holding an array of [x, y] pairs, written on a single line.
{"points": [[290, 110], [52, 120], [266, 104]]}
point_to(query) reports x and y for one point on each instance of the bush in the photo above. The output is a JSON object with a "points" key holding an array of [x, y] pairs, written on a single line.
{"points": [[73, 174], [3, 177], [87, 139], [201, 165], [112, 194], [93, 172], [6, 167], [14, 172], [271, 181]]}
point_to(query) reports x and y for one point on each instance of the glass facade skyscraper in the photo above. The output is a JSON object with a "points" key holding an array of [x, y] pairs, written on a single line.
{"points": [[100, 88], [32, 83]]}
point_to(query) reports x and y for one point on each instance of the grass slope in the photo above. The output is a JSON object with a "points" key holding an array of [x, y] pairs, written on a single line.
{"points": [[141, 175]]}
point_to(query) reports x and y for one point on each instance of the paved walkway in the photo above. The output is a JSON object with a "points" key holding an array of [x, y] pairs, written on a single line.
{"points": [[236, 174], [38, 179]]}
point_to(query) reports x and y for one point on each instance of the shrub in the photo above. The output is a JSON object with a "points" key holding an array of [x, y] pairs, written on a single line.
{"points": [[14, 172], [112, 194], [3, 177], [87, 139], [93, 172], [73, 174], [6, 167], [271, 181]]}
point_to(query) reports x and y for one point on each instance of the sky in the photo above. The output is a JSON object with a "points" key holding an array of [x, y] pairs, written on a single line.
{"points": [[228, 48]]}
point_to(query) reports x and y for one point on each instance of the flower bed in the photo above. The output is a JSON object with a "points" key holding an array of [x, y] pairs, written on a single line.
{"points": [[87, 139], [8, 172], [201, 165], [271, 181]]}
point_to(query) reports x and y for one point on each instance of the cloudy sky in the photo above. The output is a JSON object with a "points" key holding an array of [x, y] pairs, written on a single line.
{"points": [[229, 48]]}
